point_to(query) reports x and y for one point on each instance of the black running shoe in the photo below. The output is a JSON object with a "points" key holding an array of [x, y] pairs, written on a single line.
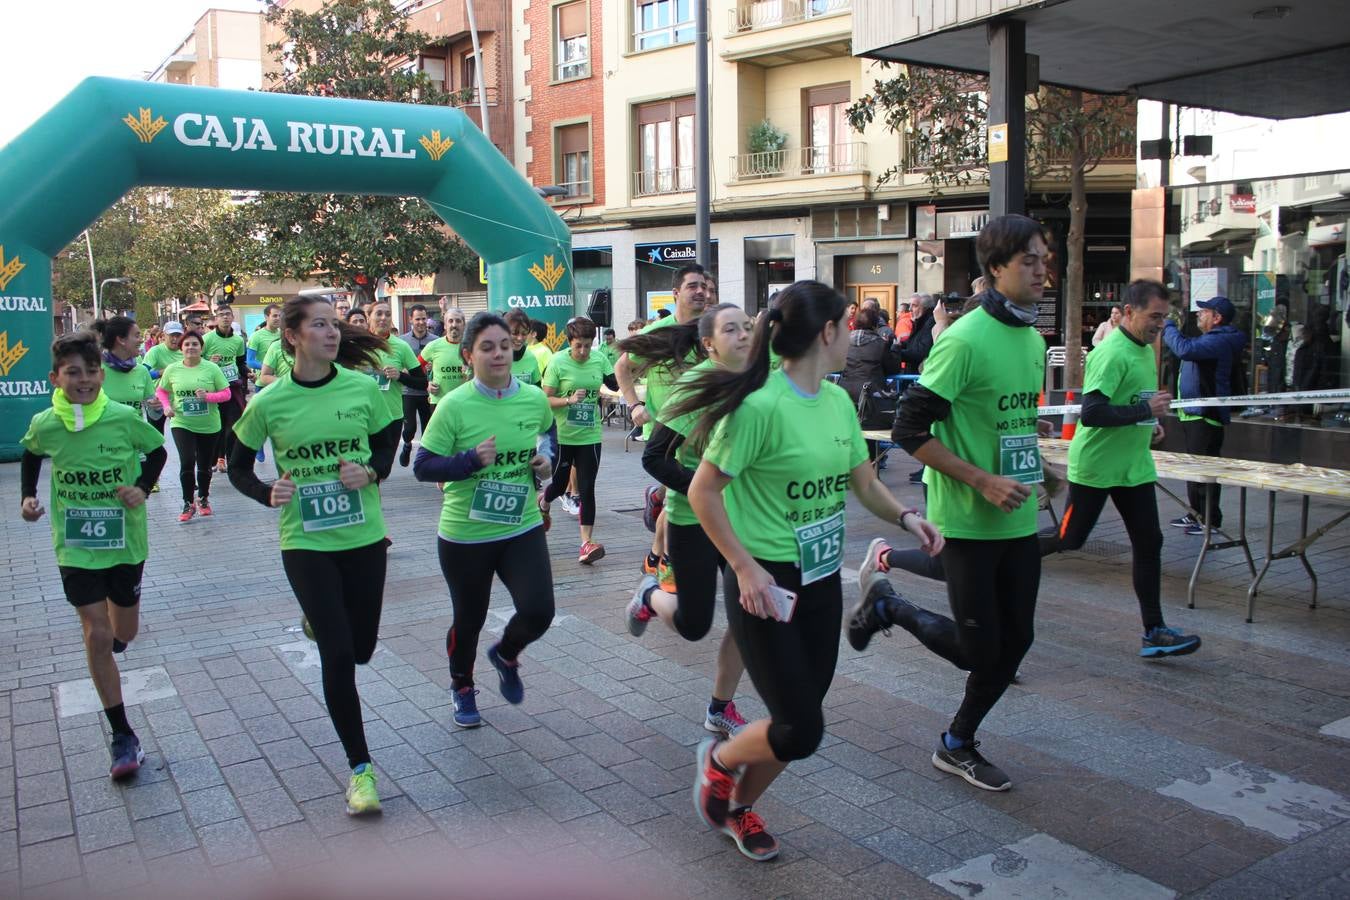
{"points": [[405, 455], [1163, 641], [1185, 521], [968, 763], [863, 620], [119, 646]]}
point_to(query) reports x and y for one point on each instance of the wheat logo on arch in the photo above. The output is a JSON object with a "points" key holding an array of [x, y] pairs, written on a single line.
{"points": [[436, 146], [8, 269], [549, 275], [10, 356], [146, 129]]}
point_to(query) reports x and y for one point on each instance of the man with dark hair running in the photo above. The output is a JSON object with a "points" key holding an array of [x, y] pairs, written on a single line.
{"points": [[974, 426]]}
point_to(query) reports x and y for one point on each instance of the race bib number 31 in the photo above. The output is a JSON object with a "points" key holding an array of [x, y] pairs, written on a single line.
{"points": [[329, 505], [499, 502], [96, 529], [820, 547], [192, 406], [1019, 458]]}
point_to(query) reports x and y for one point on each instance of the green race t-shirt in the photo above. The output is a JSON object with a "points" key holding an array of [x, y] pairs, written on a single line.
{"points": [[445, 367], [789, 458], [311, 429], [992, 375], [182, 384], [526, 369], [278, 360], [261, 341], [131, 388], [658, 380], [1126, 372], [678, 511], [542, 354], [578, 423], [498, 501], [229, 349], [401, 356], [160, 357], [608, 352], [91, 529]]}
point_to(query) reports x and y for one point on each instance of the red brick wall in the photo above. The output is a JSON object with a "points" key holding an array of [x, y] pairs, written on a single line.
{"points": [[558, 102]]}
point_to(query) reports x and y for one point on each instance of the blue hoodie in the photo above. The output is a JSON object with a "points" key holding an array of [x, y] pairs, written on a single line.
{"points": [[1206, 366]]}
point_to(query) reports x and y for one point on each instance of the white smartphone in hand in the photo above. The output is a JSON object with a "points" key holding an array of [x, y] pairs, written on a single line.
{"points": [[784, 603]]}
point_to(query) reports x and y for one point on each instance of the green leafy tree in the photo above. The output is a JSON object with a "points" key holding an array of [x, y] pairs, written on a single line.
{"points": [[943, 113], [168, 243], [357, 49]]}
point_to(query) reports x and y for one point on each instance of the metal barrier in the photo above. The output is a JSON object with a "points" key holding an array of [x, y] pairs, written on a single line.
{"points": [[1055, 360]]}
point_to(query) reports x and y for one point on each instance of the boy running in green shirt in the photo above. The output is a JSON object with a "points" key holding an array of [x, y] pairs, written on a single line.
{"points": [[98, 490]]}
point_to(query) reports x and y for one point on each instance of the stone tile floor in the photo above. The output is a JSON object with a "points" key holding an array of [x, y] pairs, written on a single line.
{"points": [[1220, 774]]}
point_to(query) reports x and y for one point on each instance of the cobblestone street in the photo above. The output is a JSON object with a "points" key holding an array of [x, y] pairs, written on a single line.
{"points": [[1219, 774]]}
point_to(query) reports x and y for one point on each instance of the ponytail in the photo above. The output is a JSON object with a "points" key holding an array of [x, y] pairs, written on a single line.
{"points": [[670, 347], [791, 327], [110, 331]]}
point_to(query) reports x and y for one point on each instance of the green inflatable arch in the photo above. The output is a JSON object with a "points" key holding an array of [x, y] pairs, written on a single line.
{"points": [[108, 136]]}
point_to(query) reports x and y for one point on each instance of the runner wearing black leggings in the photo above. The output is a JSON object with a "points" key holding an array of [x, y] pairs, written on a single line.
{"points": [[334, 438], [572, 383], [484, 445], [723, 335], [974, 426], [1110, 457], [785, 446], [191, 392]]}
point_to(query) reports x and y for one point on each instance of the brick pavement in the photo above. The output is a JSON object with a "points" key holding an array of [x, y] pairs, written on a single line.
{"points": [[1209, 775]]}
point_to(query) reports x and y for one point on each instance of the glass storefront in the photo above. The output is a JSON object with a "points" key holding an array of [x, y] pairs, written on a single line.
{"points": [[1277, 249], [656, 266]]}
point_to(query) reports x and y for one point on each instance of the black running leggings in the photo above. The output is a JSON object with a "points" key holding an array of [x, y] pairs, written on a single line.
{"points": [[991, 587], [341, 593], [1138, 508], [195, 452], [415, 409], [696, 560], [790, 663], [585, 458], [522, 563]]}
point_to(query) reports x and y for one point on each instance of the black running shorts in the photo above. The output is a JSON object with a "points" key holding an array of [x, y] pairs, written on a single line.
{"points": [[120, 584]]}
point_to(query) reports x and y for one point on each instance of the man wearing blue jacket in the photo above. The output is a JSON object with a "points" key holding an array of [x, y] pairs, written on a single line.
{"points": [[1207, 366]]}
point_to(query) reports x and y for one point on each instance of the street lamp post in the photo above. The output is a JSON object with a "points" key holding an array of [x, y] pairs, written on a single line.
{"points": [[98, 298]]}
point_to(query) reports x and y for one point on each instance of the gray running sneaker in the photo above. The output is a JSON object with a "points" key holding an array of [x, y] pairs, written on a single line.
{"points": [[968, 763]]}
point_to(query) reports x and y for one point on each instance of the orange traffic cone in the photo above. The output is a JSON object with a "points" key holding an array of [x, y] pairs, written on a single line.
{"points": [[1070, 419]]}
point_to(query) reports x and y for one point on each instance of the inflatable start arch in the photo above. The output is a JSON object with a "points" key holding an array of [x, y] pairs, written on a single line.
{"points": [[108, 136]]}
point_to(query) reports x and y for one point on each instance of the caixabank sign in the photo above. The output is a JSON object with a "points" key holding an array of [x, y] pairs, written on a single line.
{"points": [[108, 136]]}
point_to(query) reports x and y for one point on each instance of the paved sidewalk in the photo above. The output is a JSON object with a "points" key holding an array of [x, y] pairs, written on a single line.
{"points": [[1219, 774]]}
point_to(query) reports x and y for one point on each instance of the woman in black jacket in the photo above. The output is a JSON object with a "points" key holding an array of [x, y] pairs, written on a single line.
{"points": [[871, 358]]}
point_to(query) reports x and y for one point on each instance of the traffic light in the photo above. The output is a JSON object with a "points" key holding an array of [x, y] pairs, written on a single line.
{"points": [[228, 287]]}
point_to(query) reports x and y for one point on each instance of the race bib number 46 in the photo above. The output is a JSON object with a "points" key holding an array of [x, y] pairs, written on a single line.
{"points": [[820, 547], [329, 505], [498, 502], [1019, 458], [96, 529]]}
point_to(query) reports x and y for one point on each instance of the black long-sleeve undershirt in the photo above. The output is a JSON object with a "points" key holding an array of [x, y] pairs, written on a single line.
{"points": [[30, 467], [914, 419], [1098, 412], [658, 458]]}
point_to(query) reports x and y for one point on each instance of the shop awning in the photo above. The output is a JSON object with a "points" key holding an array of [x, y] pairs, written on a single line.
{"points": [[1250, 57]]}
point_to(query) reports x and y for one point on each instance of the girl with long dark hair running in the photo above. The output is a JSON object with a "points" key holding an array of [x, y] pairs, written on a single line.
{"points": [[191, 391], [334, 438], [780, 449]]}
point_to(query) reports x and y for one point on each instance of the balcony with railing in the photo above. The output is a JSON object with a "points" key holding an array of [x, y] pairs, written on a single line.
{"points": [[654, 182], [757, 15], [918, 156], [770, 32], [469, 96], [831, 159]]}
